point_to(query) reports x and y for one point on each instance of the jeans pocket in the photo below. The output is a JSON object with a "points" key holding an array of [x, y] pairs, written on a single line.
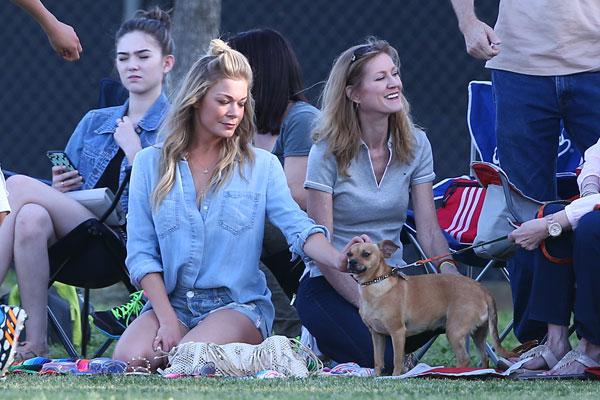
{"points": [[238, 211]]}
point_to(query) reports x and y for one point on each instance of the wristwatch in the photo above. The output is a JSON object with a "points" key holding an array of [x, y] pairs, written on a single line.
{"points": [[554, 228]]}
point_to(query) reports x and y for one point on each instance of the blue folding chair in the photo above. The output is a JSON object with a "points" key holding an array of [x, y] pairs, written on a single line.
{"points": [[481, 120]]}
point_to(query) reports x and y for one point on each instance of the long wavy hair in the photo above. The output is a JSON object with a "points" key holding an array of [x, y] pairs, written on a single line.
{"points": [[339, 124], [221, 62]]}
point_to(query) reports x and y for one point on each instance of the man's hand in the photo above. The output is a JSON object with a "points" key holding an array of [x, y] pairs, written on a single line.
{"points": [[64, 40], [480, 39]]}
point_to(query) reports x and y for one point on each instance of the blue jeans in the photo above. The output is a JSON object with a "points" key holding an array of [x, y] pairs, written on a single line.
{"points": [[529, 110], [194, 305], [559, 290], [336, 324]]}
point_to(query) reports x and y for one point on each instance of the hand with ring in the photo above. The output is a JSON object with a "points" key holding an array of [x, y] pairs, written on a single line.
{"points": [[65, 181]]}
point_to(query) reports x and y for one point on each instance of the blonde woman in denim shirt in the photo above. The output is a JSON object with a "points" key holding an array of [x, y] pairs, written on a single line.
{"points": [[198, 205], [104, 143]]}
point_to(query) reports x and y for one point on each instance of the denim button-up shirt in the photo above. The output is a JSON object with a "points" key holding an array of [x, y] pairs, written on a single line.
{"points": [[92, 146], [218, 243]]}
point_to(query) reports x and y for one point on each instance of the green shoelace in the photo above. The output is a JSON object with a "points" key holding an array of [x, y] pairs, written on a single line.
{"points": [[132, 307]]}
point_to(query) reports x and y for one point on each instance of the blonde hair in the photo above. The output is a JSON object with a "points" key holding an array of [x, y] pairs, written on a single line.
{"points": [[339, 123], [220, 62]]}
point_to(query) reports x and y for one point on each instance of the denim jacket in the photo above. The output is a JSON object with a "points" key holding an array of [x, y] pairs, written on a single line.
{"points": [[92, 146], [218, 243]]}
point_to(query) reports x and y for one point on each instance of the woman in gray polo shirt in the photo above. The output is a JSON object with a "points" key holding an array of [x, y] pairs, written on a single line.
{"points": [[367, 158]]}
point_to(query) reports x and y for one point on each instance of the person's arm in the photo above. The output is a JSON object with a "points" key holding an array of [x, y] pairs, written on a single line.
{"points": [[480, 39], [295, 174], [429, 233], [168, 335], [127, 139], [320, 209], [4, 205], [296, 142], [62, 37], [589, 178], [531, 233], [144, 261]]}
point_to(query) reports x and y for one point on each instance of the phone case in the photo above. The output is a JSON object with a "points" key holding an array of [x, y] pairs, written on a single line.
{"points": [[60, 158]]}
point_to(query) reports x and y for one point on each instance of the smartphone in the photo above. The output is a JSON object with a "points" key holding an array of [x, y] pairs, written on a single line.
{"points": [[59, 158]]}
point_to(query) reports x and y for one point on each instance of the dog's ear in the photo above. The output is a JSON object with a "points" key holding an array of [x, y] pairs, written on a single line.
{"points": [[387, 248]]}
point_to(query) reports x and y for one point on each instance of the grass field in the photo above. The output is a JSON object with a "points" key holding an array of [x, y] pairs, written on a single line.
{"points": [[155, 387]]}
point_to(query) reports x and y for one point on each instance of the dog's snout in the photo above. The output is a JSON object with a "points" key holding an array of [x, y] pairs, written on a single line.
{"points": [[352, 262]]}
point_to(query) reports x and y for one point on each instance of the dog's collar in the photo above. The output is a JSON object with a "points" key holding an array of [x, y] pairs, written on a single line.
{"points": [[378, 279]]}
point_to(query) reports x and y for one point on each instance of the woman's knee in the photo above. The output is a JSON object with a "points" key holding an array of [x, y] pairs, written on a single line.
{"points": [[18, 184], [32, 222]]}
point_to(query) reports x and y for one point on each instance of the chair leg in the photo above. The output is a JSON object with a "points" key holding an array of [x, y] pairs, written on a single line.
{"points": [[62, 335], [421, 352], [85, 325], [103, 348]]}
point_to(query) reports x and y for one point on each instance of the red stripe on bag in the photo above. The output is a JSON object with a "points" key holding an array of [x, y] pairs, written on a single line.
{"points": [[461, 209]]}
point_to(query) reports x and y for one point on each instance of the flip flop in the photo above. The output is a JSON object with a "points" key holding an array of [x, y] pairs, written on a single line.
{"points": [[542, 351], [571, 357]]}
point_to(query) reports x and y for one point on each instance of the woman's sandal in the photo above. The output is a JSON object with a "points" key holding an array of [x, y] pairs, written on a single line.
{"points": [[573, 356], [541, 350]]}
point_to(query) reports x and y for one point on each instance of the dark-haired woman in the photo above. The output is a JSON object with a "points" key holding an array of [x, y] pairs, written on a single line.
{"points": [[104, 143], [284, 120]]}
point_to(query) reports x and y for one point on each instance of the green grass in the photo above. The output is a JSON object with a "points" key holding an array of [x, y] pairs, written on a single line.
{"points": [[155, 387], [135, 387]]}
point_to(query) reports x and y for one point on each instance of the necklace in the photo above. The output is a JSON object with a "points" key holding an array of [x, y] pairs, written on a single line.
{"points": [[205, 171]]}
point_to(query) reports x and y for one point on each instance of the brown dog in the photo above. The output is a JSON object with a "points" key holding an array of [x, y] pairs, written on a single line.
{"points": [[397, 305]]}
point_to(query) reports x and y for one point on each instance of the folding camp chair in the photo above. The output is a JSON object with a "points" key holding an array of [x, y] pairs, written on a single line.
{"points": [[481, 117], [91, 256]]}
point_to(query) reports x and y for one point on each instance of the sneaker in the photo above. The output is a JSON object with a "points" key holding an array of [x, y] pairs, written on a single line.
{"points": [[11, 324], [114, 321]]}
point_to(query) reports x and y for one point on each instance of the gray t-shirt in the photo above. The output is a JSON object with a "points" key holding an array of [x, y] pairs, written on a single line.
{"points": [[359, 204], [294, 135]]}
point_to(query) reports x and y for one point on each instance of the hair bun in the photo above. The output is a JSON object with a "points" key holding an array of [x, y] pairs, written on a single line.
{"points": [[218, 47], [155, 13]]}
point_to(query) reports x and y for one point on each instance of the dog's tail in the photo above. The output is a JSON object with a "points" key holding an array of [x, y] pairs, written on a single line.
{"points": [[493, 326]]}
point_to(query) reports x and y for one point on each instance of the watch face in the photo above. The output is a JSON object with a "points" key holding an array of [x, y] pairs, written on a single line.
{"points": [[554, 229]]}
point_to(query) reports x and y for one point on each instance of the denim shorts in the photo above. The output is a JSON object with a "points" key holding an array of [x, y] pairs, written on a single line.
{"points": [[194, 305]]}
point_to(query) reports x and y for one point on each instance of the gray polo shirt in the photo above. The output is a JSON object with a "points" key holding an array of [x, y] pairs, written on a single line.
{"points": [[360, 205]]}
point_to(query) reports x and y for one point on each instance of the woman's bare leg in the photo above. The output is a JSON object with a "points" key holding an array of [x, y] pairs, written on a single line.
{"points": [[222, 327], [40, 216], [137, 340], [33, 234]]}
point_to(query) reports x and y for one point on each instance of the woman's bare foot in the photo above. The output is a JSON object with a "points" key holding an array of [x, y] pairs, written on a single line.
{"points": [[27, 350]]}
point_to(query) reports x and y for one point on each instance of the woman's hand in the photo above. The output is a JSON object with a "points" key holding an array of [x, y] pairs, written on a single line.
{"points": [[65, 181], [127, 139], [342, 263], [167, 336], [530, 234]]}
